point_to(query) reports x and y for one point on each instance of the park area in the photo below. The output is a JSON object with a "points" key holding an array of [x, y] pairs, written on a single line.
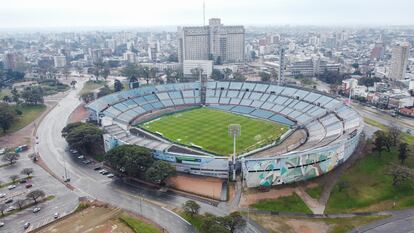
{"points": [[208, 129], [97, 219]]}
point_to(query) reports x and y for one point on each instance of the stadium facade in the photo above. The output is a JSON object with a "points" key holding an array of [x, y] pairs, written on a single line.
{"points": [[332, 129]]}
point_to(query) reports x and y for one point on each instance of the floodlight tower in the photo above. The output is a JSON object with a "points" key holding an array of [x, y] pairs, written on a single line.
{"points": [[234, 131], [281, 75]]}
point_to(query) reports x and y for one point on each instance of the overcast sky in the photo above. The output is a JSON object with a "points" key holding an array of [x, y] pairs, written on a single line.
{"points": [[101, 13]]}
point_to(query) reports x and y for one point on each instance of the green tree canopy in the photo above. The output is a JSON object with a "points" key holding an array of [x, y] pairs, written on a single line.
{"points": [[85, 137], [159, 172], [8, 116], [132, 158]]}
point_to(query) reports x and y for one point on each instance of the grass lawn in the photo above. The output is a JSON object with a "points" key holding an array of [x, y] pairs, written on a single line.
{"points": [[315, 192], [91, 85], [408, 138], [291, 203], [208, 128], [369, 187], [4, 92], [29, 114], [276, 224], [138, 225]]}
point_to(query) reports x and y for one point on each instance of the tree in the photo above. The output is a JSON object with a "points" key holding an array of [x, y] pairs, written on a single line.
{"points": [[35, 195], [3, 208], [217, 75], [159, 172], [227, 72], [14, 178], [191, 208], [264, 76], [104, 91], [234, 221], [15, 95], [88, 97], [20, 203], [213, 224], [403, 152], [10, 157], [239, 77], [27, 171], [118, 85], [69, 127], [380, 141], [85, 137], [131, 158], [105, 73], [394, 134], [7, 99], [400, 174], [32, 95], [7, 117], [73, 83]]}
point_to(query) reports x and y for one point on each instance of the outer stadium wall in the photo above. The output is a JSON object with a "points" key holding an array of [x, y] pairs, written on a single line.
{"points": [[298, 166]]}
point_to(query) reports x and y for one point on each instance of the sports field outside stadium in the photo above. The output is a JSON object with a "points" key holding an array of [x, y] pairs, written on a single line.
{"points": [[208, 128]]}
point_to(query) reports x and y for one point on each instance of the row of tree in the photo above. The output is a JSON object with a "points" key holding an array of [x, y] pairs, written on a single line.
{"points": [[84, 137], [34, 196]]}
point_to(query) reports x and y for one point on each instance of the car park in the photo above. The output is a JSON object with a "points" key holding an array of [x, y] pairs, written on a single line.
{"points": [[26, 225], [12, 186], [36, 209]]}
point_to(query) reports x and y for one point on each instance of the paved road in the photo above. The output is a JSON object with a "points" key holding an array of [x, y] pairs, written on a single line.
{"points": [[87, 181]]}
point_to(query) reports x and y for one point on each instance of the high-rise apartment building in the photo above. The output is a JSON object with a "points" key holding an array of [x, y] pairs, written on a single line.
{"points": [[222, 44], [59, 61], [399, 61], [377, 52]]}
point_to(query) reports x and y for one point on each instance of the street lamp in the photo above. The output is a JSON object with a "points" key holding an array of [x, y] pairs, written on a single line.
{"points": [[234, 131]]}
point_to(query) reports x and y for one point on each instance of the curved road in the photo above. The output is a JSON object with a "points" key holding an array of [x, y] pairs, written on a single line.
{"points": [[88, 182]]}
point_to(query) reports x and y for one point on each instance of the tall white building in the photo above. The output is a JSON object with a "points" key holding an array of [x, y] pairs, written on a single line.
{"points": [[130, 57], [222, 44], [59, 61], [399, 61]]}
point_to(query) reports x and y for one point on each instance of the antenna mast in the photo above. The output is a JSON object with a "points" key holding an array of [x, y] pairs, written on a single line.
{"points": [[204, 13]]}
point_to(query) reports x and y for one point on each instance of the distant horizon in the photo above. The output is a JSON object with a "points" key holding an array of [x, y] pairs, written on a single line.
{"points": [[79, 14]]}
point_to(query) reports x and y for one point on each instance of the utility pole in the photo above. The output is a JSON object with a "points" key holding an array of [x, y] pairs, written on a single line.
{"points": [[234, 131]]}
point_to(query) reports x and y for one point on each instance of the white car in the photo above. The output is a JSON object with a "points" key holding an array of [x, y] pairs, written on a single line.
{"points": [[12, 186], [35, 210], [1, 224], [110, 175], [103, 171], [81, 157], [10, 209], [56, 215], [2, 195]]}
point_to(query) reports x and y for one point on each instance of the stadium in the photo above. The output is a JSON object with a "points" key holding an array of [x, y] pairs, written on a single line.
{"points": [[288, 134]]}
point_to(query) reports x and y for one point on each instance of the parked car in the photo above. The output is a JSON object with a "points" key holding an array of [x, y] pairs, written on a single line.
{"points": [[22, 181], [56, 215], [102, 171], [12, 186], [87, 161], [2, 195], [10, 209], [110, 175], [10, 200], [105, 173], [1, 224], [29, 186], [36, 209], [26, 225], [81, 157], [97, 168]]}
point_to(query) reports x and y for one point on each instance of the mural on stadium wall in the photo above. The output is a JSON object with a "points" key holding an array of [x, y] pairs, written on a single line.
{"points": [[293, 168]]}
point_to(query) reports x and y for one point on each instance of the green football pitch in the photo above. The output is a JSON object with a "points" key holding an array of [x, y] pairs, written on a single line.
{"points": [[208, 129]]}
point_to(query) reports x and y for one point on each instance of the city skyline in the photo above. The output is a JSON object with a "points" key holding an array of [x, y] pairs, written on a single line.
{"points": [[80, 14]]}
